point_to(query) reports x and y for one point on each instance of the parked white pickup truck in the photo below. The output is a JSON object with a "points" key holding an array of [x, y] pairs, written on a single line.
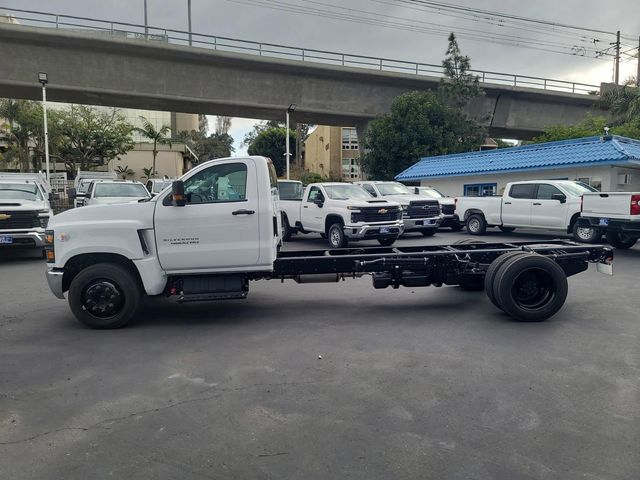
{"points": [[342, 212], [25, 210], [543, 204], [217, 230], [420, 214], [447, 206], [102, 192], [617, 214]]}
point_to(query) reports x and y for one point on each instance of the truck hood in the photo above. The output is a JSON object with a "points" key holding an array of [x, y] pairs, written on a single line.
{"points": [[139, 213], [374, 202], [404, 199], [23, 205], [114, 200]]}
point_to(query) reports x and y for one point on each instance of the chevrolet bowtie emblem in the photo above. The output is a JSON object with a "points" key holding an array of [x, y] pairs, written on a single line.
{"points": [[4, 216], [382, 211]]}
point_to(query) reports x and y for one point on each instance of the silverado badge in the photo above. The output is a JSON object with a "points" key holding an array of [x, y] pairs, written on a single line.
{"points": [[382, 211], [4, 216]]}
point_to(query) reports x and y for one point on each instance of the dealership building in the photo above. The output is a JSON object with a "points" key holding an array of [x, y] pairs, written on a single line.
{"points": [[610, 163]]}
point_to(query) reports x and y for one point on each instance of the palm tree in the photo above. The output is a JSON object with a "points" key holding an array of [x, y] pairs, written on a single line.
{"points": [[157, 136], [124, 172], [623, 102], [148, 173]]}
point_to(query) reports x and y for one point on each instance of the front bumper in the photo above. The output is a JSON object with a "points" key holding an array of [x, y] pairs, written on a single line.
{"points": [[614, 225], [23, 239], [372, 231], [416, 224], [54, 279], [448, 220]]}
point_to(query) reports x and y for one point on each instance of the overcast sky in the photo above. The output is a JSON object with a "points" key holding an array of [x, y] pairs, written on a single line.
{"points": [[238, 19]]}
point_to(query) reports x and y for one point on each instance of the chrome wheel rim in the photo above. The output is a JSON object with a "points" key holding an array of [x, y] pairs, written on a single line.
{"points": [[584, 233], [474, 225], [334, 235]]}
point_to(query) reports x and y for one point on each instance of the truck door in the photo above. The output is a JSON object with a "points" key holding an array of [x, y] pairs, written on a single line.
{"points": [[517, 204], [312, 215], [218, 227], [547, 212]]}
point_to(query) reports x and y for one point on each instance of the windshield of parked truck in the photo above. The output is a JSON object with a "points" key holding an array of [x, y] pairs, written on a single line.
{"points": [[432, 192], [577, 188], [392, 188], [290, 190], [20, 191], [347, 192], [160, 185], [121, 190], [83, 186]]}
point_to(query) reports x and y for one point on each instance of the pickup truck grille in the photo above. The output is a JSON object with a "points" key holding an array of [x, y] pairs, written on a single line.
{"points": [[448, 209], [377, 214], [423, 209], [18, 220]]}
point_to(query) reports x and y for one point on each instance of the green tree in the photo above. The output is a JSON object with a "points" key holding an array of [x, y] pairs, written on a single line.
{"points": [[158, 136], [148, 173], [458, 87], [272, 143], [419, 125], [623, 102], [589, 127], [124, 171], [92, 137]]}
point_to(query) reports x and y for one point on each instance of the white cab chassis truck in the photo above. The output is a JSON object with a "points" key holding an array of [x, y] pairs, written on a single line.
{"points": [[342, 212], [616, 214], [218, 229], [538, 204]]}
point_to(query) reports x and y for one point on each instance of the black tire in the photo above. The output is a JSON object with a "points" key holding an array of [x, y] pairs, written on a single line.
{"points": [[456, 227], [491, 273], [507, 229], [336, 236], [621, 240], [323, 235], [428, 233], [387, 242], [476, 224], [286, 229], [530, 288], [581, 234], [88, 290], [468, 241]]}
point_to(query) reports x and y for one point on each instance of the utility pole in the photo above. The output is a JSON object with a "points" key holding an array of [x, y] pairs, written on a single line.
{"points": [[43, 79], [616, 75], [638, 72], [189, 14], [146, 21]]}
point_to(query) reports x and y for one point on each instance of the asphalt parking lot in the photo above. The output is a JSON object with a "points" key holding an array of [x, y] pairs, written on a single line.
{"points": [[425, 383]]}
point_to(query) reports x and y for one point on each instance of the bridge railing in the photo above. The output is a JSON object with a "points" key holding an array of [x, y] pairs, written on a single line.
{"points": [[272, 50]]}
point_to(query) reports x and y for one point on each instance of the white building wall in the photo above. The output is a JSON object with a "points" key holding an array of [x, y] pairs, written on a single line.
{"points": [[608, 174]]}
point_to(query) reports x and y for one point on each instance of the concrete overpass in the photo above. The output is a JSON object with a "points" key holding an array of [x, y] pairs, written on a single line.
{"points": [[96, 69]]}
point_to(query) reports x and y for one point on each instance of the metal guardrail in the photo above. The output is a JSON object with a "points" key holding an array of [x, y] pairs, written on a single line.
{"points": [[272, 50]]}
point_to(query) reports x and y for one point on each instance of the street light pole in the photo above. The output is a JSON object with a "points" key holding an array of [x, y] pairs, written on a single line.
{"points": [[291, 108], [189, 12], [43, 79], [146, 23]]}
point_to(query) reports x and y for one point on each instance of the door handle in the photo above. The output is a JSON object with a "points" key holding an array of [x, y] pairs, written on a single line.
{"points": [[507, 203], [304, 206], [243, 212], [537, 204]]}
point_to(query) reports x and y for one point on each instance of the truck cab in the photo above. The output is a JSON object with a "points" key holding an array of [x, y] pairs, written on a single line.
{"points": [[156, 185], [104, 192], [82, 182], [290, 194], [419, 214]]}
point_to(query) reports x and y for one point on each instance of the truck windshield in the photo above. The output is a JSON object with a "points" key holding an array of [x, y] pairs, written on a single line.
{"points": [[121, 190], [346, 192], [577, 188], [290, 190], [158, 186], [392, 188], [19, 191], [432, 192], [83, 186]]}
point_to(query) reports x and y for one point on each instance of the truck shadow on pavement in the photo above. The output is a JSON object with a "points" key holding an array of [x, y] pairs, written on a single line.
{"points": [[9, 255]]}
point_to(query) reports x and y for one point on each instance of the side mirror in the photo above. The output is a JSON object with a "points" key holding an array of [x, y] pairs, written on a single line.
{"points": [[72, 193], [177, 194], [562, 198], [319, 202]]}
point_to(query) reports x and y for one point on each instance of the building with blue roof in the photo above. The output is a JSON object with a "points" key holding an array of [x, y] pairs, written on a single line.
{"points": [[609, 163]]}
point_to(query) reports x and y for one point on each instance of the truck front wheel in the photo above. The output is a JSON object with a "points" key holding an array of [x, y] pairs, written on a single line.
{"points": [[387, 242], [621, 240], [429, 232], [476, 224], [286, 229], [336, 236], [104, 296], [586, 235]]}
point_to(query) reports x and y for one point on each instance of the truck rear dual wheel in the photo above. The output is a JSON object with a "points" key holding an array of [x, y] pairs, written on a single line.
{"points": [[476, 224], [104, 296], [527, 286], [621, 240]]}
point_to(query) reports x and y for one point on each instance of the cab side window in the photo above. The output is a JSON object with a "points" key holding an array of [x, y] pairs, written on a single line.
{"points": [[369, 189], [217, 184], [523, 190], [314, 194], [546, 191]]}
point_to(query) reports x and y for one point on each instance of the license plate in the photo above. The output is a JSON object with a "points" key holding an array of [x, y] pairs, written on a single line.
{"points": [[605, 268], [604, 222], [6, 239], [384, 229]]}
